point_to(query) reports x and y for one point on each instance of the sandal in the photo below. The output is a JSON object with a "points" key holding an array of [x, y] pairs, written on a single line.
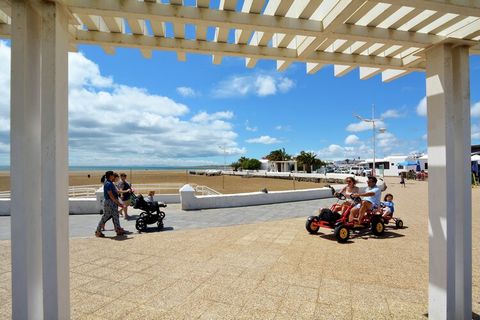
{"points": [[99, 234]]}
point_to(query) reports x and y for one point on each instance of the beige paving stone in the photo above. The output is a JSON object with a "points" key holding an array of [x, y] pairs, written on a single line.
{"points": [[263, 302], [220, 311], [301, 293], [255, 314], [297, 309]]}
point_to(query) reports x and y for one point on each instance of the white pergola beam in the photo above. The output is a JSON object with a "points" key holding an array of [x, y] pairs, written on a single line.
{"points": [[461, 7], [254, 22], [313, 67], [221, 33], [114, 24], [393, 74], [227, 49]]}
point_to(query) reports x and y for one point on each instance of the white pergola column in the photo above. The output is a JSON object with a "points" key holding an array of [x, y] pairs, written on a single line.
{"points": [[54, 123], [450, 226], [39, 206]]}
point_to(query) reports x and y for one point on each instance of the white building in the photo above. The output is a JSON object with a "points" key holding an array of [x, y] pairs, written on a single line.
{"points": [[392, 166], [279, 166]]}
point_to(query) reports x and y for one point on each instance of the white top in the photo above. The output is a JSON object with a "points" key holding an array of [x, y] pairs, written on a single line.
{"points": [[375, 199]]}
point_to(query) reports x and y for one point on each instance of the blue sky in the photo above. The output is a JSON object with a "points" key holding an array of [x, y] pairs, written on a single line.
{"points": [[128, 110]]}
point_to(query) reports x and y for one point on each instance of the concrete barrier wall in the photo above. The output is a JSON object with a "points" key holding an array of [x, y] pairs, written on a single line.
{"points": [[89, 205], [192, 202]]}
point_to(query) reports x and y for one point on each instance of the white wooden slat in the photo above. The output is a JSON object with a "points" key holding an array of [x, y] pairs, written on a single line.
{"points": [[341, 70], [221, 34], [392, 74], [313, 67], [114, 24], [146, 53], [201, 30], [367, 72], [383, 15], [447, 24], [137, 26], [409, 16], [260, 38], [361, 12], [426, 22], [249, 6]]}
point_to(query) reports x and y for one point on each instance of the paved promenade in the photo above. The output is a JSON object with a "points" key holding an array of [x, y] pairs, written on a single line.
{"points": [[261, 270]]}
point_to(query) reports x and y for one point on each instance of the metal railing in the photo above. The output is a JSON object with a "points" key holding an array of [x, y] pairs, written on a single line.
{"points": [[205, 191]]}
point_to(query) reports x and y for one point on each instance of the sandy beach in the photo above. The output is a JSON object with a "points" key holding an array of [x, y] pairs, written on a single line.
{"points": [[232, 184]]}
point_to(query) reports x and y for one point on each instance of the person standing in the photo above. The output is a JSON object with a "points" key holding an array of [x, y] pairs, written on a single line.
{"points": [[125, 190], [110, 206]]}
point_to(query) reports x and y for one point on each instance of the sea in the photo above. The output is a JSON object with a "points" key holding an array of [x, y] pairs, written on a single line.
{"points": [[133, 168]]}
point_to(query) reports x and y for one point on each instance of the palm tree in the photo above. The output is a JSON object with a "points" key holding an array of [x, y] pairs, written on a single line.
{"points": [[278, 155], [307, 159]]}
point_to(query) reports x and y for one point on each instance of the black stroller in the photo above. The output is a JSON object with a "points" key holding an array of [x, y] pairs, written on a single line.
{"points": [[151, 213]]}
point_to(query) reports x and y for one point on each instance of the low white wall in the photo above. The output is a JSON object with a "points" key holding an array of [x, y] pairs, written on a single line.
{"points": [[190, 201], [89, 205], [4, 207]]}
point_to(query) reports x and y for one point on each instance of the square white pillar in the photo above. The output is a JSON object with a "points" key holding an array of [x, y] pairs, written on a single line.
{"points": [[54, 156], [39, 160], [450, 227], [25, 163]]}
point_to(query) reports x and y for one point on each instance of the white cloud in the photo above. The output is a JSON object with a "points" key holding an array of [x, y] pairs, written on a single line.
{"points": [[249, 128], [206, 117], [335, 152], [352, 139], [392, 113], [422, 107], [263, 140], [261, 85], [363, 126], [425, 137], [186, 92], [265, 85], [476, 110], [283, 128], [115, 124]]}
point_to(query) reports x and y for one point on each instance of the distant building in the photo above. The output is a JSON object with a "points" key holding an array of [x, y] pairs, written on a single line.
{"points": [[279, 166]]}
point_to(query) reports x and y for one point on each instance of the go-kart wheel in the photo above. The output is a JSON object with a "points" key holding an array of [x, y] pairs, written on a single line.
{"points": [[378, 227], [160, 225], [141, 224], [399, 224], [311, 225], [342, 233]]}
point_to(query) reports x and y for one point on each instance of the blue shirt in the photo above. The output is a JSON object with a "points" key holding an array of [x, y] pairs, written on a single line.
{"points": [[389, 204], [375, 199], [109, 186]]}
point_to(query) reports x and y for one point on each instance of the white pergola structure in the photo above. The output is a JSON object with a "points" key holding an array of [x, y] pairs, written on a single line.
{"points": [[387, 37]]}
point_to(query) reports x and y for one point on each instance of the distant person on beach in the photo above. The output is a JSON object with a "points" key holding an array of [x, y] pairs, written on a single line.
{"points": [[402, 179], [125, 191], [110, 206]]}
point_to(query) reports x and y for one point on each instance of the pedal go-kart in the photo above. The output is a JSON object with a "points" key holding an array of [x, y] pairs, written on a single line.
{"points": [[330, 219]]}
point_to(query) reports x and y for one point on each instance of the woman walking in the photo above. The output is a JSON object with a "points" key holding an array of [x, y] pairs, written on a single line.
{"points": [[110, 206]]}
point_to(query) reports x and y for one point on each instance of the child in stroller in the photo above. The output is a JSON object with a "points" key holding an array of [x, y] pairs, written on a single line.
{"points": [[151, 213]]}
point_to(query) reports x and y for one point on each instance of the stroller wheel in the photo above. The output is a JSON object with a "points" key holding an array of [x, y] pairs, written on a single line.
{"points": [[161, 215], [141, 225], [160, 225]]}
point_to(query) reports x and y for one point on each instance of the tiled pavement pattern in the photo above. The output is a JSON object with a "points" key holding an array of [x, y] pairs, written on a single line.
{"points": [[176, 219], [266, 270]]}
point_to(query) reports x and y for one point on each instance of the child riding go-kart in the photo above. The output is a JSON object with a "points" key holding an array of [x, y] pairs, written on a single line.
{"points": [[340, 223]]}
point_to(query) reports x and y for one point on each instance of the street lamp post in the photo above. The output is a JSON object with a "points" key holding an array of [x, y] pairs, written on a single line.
{"points": [[382, 130], [224, 148]]}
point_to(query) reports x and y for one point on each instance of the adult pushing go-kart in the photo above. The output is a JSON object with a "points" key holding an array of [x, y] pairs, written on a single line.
{"points": [[359, 214]]}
